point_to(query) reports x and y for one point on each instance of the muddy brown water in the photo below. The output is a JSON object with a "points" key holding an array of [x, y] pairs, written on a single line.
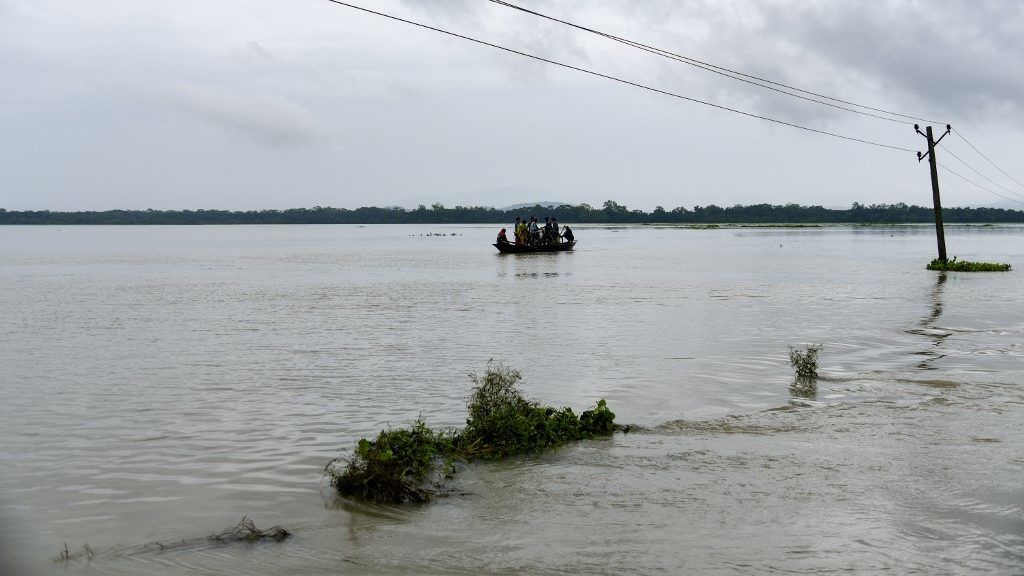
{"points": [[159, 383]]}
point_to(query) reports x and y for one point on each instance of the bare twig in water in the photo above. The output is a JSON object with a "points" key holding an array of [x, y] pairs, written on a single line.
{"points": [[247, 531], [244, 531], [67, 556]]}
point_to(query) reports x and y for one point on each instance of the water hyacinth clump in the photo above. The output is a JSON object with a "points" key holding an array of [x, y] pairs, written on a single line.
{"points": [[410, 465], [965, 266]]}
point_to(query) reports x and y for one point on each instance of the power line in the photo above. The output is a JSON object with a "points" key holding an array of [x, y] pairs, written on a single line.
{"points": [[978, 172], [734, 74], [982, 154], [699, 64], [617, 79], [968, 180]]}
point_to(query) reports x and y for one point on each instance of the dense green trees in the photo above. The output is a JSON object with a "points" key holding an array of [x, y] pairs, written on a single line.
{"points": [[610, 212]]}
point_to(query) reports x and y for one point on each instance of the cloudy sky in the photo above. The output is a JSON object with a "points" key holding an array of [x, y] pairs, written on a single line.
{"points": [[274, 104]]}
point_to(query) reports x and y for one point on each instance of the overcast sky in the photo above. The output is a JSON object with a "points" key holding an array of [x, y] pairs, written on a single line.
{"points": [[275, 104]]}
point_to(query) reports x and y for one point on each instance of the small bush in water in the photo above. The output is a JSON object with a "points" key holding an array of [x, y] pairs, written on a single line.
{"points": [[396, 466], [805, 361], [403, 465], [502, 422], [965, 266]]}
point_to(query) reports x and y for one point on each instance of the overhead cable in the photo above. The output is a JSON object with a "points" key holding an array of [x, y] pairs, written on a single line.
{"points": [[982, 154], [978, 172], [617, 79], [734, 74], [969, 181]]}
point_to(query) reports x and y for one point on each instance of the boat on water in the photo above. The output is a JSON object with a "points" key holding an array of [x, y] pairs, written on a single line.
{"points": [[513, 248]]}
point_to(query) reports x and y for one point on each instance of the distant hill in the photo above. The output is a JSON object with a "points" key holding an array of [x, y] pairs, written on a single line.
{"points": [[545, 204]]}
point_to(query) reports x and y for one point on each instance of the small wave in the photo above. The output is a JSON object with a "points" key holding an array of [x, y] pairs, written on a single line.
{"points": [[729, 425]]}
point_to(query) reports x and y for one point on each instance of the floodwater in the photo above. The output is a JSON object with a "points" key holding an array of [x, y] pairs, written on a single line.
{"points": [[158, 383]]}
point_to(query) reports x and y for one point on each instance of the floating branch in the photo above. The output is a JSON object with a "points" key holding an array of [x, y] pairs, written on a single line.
{"points": [[246, 531]]}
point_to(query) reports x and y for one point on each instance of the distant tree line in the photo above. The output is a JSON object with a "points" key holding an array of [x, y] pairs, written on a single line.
{"points": [[610, 213]]}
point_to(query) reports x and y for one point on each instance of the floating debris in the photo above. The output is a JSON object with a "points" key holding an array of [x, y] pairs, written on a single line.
{"points": [[246, 531]]}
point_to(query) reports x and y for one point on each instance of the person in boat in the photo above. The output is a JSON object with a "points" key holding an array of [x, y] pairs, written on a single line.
{"points": [[502, 239], [534, 231], [515, 229], [567, 233], [521, 231], [550, 232], [555, 238]]}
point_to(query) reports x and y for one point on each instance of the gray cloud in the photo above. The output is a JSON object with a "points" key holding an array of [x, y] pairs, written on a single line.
{"points": [[263, 117], [950, 58], [363, 110]]}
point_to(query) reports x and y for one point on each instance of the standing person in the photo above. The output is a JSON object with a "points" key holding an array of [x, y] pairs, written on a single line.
{"points": [[534, 230], [515, 230], [521, 232], [547, 230], [555, 238]]}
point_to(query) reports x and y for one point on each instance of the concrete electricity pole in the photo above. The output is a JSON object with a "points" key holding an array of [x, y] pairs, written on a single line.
{"points": [[939, 234]]}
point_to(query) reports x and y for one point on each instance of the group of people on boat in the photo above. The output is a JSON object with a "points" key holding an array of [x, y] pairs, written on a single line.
{"points": [[531, 233]]}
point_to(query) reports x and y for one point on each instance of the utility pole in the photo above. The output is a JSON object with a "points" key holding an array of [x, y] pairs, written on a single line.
{"points": [[940, 236]]}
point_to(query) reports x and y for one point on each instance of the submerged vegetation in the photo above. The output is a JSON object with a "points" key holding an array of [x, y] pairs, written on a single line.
{"points": [[965, 266], [243, 532], [246, 531], [805, 362], [503, 423], [409, 465], [396, 466]]}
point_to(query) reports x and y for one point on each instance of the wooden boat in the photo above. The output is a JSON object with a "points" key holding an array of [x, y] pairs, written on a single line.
{"points": [[513, 248]]}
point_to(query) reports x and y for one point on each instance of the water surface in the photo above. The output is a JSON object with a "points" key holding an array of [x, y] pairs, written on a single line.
{"points": [[160, 382]]}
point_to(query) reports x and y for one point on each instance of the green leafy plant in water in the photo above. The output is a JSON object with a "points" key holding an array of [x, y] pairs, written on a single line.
{"points": [[502, 422], [400, 465], [805, 362], [965, 266], [804, 388], [396, 466], [598, 421]]}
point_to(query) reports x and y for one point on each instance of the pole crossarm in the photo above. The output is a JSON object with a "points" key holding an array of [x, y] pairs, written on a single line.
{"points": [[917, 128]]}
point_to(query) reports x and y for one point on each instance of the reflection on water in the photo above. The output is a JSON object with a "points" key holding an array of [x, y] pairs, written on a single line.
{"points": [[161, 382], [940, 281], [928, 325]]}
